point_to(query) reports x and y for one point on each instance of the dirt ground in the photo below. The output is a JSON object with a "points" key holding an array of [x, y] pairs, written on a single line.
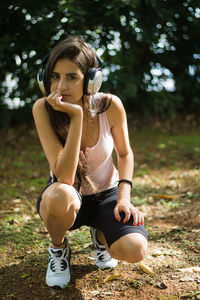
{"points": [[166, 189]]}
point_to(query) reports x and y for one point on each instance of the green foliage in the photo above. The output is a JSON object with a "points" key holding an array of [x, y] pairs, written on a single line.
{"points": [[135, 36]]}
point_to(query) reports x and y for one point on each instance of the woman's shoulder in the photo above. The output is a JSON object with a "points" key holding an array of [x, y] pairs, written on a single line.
{"points": [[112, 102], [39, 105], [116, 104], [115, 110], [39, 111]]}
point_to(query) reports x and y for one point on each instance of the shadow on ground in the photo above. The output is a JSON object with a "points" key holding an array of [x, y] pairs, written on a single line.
{"points": [[31, 278]]}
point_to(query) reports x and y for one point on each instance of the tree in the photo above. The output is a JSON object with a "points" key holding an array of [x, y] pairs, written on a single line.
{"points": [[135, 36]]}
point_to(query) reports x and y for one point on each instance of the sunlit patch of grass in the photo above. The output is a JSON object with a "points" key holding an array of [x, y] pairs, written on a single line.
{"points": [[140, 190], [19, 232], [37, 156], [140, 172], [18, 164], [149, 157], [3, 250], [38, 183], [143, 190], [138, 201], [160, 149], [174, 167], [192, 195], [9, 191], [152, 234], [80, 239], [170, 205]]}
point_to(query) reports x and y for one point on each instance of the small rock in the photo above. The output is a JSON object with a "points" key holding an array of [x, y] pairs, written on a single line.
{"points": [[161, 285]]}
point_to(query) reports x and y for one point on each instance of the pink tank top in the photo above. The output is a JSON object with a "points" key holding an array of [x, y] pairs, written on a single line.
{"points": [[99, 158]]}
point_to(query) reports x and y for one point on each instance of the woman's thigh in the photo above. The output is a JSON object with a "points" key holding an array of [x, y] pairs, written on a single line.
{"points": [[105, 221]]}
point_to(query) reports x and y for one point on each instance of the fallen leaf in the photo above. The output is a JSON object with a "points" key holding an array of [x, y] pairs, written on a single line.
{"points": [[145, 268], [4, 212], [112, 277], [191, 294], [191, 269], [94, 292], [163, 196], [24, 275], [157, 252], [90, 258], [108, 293], [160, 297], [150, 200], [196, 269], [17, 200], [87, 245], [186, 279], [32, 189]]}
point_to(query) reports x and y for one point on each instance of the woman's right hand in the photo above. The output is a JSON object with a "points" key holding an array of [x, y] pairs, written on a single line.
{"points": [[55, 100]]}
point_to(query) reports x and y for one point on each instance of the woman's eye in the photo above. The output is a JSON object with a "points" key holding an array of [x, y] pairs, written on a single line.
{"points": [[71, 77], [54, 76]]}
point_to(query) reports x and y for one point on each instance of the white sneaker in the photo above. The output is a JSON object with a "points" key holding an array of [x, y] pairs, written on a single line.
{"points": [[58, 271], [102, 258]]}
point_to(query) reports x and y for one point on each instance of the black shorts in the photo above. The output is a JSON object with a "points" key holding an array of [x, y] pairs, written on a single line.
{"points": [[97, 211]]}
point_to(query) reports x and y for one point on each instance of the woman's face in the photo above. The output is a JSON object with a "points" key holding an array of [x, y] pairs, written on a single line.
{"points": [[67, 79]]}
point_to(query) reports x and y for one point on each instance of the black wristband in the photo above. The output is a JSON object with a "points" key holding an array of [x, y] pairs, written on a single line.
{"points": [[126, 181]]}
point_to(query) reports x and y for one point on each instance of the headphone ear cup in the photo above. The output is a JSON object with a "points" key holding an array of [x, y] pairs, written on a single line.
{"points": [[93, 80], [41, 80], [41, 75]]}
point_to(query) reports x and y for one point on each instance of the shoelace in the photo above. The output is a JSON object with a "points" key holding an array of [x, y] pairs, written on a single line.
{"points": [[102, 255], [58, 263]]}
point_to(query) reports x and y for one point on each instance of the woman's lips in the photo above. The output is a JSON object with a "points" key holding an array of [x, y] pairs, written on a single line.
{"points": [[64, 96]]}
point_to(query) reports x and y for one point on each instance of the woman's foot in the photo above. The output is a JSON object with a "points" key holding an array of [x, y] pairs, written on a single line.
{"points": [[58, 271], [102, 258]]}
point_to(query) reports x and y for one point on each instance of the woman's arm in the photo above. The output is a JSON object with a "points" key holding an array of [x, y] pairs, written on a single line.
{"points": [[119, 128], [63, 161]]}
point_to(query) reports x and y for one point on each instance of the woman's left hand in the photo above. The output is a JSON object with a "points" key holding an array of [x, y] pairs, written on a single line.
{"points": [[126, 207], [55, 100]]}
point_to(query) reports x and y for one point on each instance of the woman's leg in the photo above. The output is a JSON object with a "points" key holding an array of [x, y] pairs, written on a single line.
{"points": [[58, 208], [131, 247], [123, 241]]}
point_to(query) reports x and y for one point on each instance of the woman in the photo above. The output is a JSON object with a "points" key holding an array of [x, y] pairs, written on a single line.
{"points": [[78, 128]]}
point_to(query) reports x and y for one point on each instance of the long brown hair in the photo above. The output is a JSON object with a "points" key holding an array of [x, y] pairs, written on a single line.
{"points": [[76, 50]]}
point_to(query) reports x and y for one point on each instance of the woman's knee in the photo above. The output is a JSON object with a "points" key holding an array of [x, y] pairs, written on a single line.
{"points": [[60, 199], [131, 248], [138, 251]]}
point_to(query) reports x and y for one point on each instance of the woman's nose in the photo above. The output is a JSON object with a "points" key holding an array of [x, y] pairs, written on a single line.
{"points": [[62, 84]]}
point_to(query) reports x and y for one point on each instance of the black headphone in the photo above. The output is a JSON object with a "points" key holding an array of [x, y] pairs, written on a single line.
{"points": [[92, 79]]}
